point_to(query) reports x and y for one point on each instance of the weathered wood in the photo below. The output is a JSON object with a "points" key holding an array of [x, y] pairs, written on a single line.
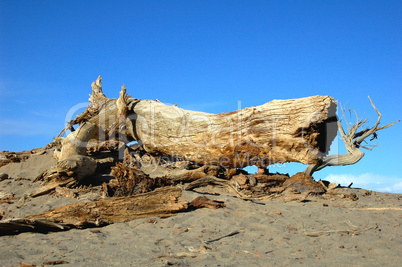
{"points": [[296, 130], [204, 202], [353, 142], [67, 172], [15, 226], [162, 202], [51, 185], [132, 181]]}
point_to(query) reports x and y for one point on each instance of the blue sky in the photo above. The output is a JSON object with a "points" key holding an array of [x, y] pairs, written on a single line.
{"points": [[207, 56]]}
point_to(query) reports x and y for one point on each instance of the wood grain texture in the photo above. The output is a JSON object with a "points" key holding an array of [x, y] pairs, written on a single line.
{"points": [[296, 130], [162, 202]]}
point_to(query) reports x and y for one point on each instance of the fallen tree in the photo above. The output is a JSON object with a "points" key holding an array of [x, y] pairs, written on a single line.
{"points": [[178, 146], [207, 145], [296, 130]]}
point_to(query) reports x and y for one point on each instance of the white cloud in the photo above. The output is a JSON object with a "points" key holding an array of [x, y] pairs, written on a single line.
{"points": [[368, 181], [395, 188]]}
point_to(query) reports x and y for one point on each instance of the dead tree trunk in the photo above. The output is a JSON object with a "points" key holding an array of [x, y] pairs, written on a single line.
{"points": [[296, 130]]}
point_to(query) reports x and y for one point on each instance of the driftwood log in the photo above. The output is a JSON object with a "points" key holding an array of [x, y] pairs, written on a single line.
{"points": [[172, 144], [162, 202], [296, 130], [353, 139]]}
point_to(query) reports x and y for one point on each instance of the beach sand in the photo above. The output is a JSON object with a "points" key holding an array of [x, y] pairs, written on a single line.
{"points": [[328, 230]]}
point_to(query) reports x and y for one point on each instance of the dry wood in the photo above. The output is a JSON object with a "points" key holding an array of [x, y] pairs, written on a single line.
{"points": [[162, 202], [303, 183], [67, 172], [50, 186], [203, 202], [65, 192], [175, 171], [352, 231], [383, 208], [280, 131], [298, 130], [131, 181], [211, 180], [353, 142]]}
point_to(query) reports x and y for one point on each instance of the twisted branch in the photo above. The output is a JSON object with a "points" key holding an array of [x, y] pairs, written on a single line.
{"points": [[352, 140]]}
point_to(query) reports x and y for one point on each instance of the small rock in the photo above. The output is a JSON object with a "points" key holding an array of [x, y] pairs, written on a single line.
{"points": [[3, 176]]}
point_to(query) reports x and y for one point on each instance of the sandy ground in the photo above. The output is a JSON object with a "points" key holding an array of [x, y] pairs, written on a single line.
{"points": [[324, 231]]}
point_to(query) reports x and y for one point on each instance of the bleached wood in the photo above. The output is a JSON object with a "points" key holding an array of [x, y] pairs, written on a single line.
{"points": [[295, 130], [352, 141]]}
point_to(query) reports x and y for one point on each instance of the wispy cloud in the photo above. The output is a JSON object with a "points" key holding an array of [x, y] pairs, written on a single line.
{"points": [[376, 182], [395, 188]]}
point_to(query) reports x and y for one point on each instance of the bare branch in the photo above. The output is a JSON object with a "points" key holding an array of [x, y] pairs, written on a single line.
{"points": [[352, 141], [379, 128], [369, 148], [357, 117], [373, 129], [341, 130], [344, 117]]}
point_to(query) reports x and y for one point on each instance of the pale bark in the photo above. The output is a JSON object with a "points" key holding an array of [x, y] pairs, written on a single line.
{"points": [[296, 130], [163, 202]]}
